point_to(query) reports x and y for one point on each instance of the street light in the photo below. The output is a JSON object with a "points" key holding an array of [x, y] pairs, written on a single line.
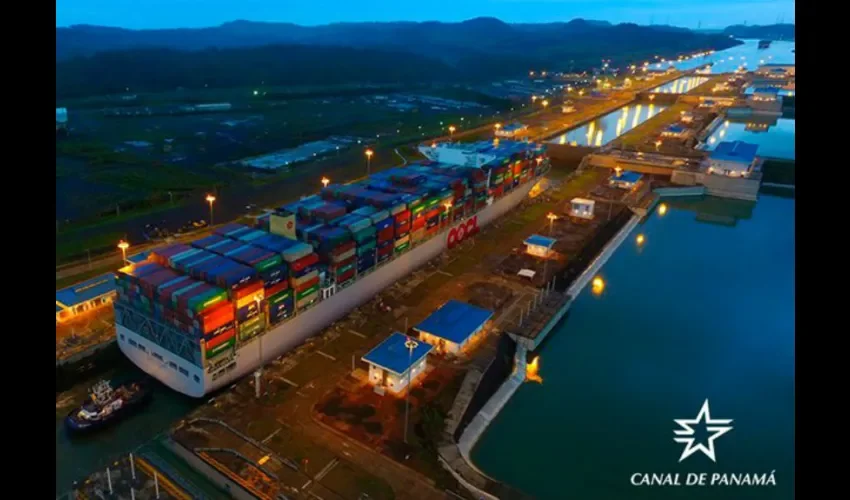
{"points": [[498, 126], [210, 199], [325, 181], [258, 375], [552, 217], [451, 130], [123, 245], [448, 206], [545, 103], [411, 345], [369, 154]]}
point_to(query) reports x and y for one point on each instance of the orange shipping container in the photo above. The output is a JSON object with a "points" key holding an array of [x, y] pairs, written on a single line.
{"points": [[220, 318], [244, 301]]}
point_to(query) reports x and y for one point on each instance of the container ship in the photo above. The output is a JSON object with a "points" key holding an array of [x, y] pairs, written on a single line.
{"points": [[199, 316]]}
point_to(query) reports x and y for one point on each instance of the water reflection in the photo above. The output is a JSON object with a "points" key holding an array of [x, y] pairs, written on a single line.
{"points": [[608, 127], [681, 85], [727, 61], [718, 211], [774, 136]]}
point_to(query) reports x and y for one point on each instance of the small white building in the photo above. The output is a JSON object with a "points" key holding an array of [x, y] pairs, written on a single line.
{"points": [[539, 246], [733, 159], [392, 363], [582, 208]]}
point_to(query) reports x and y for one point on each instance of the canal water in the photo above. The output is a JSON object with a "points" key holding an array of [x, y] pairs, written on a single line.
{"points": [[608, 127], [774, 137], [79, 456], [680, 85], [703, 309], [747, 54]]}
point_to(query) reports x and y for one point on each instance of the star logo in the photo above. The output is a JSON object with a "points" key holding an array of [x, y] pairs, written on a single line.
{"points": [[717, 427]]}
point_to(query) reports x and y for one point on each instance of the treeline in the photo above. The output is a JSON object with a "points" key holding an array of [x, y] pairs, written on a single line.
{"points": [[155, 70]]}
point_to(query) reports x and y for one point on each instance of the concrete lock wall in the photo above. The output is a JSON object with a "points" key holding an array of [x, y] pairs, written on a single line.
{"points": [[731, 187]]}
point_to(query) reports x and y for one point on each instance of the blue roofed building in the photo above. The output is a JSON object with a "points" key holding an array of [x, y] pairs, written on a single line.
{"points": [[454, 326], [512, 130], [539, 246], [392, 363], [87, 295], [676, 131], [624, 179], [734, 159]]}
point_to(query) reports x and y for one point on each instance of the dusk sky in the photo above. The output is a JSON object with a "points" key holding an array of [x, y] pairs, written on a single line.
{"points": [[141, 14]]}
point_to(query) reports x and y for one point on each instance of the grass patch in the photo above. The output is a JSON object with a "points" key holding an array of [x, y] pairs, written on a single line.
{"points": [[70, 248], [71, 280], [349, 481]]}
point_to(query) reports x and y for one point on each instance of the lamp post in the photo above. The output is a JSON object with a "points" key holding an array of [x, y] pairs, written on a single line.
{"points": [[452, 131], [545, 103], [497, 127], [325, 181], [258, 375], [411, 345], [448, 206], [551, 216], [123, 245], [210, 199], [369, 154]]}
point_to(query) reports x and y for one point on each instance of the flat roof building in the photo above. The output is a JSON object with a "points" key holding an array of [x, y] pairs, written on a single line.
{"points": [[735, 159], [625, 180], [392, 363], [454, 326], [539, 246], [512, 130], [85, 296], [582, 208], [677, 131]]}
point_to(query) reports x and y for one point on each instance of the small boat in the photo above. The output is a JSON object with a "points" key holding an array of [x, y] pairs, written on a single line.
{"points": [[107, 405], [763, 44]]}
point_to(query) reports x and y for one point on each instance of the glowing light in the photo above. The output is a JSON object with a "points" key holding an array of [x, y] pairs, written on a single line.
{"points": [[369, 153], [210, 199], [325, 181], [598, 285], [532, 371], [662, 209], [640, 239]]}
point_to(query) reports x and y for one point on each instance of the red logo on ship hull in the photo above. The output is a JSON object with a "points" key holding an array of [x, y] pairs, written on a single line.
{"points": [[463, 230]]}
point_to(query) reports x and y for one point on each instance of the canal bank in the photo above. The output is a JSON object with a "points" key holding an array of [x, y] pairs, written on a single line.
{"points": [[663, 336]]}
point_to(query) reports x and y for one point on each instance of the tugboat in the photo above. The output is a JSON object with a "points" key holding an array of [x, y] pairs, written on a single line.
{"points": [[106, 406]]}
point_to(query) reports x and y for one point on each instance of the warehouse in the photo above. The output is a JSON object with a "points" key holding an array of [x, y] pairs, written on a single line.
{"points": [[392, 362], [84, 296], [454, 326]]}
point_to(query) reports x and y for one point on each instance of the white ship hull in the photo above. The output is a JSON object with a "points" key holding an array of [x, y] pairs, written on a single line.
{"points": [[192, 380]]}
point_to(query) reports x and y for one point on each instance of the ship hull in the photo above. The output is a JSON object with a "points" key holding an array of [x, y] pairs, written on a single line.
{"points": [[194, 381]]}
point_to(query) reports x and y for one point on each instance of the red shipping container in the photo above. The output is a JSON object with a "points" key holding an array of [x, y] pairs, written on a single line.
{"points": [[303, 262], [221, 338], [247, 289], [385, 250], [307, 284], [217, 319], [346, 276], [433, 213], [215, 309], [402, 217], [418, 223], [343, 248], [386, 234], [275, 289]]}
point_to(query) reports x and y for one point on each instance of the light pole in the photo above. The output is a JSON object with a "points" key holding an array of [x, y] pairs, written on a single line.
{"points": [[210, 199], [551, 216], [448, 206], [325, 181], [369, 154], [545, 103], [498, 126], [411, 345], [123, 245], [451, 131], [258, 375]]}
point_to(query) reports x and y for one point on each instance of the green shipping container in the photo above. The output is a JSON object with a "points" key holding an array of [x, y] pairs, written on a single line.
{"points": [[364, 234], [248, 329], [221, 348], [402, 247], [342, 270], [301, 295], [203, 301], [366, 247], [268, 263], [280, 297]]}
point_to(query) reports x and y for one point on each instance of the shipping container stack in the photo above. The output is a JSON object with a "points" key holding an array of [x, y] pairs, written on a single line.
{"points": [[196, 309], [362, 233]]}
